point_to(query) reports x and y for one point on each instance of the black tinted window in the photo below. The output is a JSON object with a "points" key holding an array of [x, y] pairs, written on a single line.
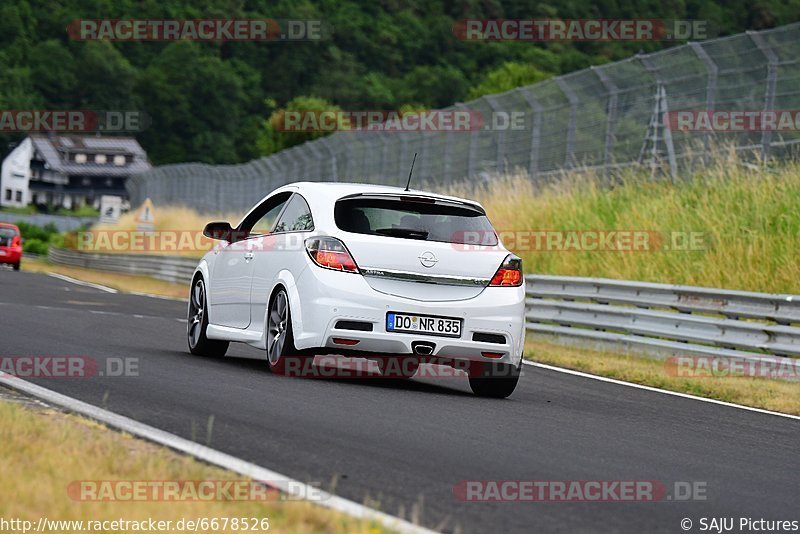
{"points": [[262, 220], [429, 221], [296, 217]]}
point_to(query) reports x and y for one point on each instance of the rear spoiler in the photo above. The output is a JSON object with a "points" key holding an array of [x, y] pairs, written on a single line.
{"points": [[416, 197]]}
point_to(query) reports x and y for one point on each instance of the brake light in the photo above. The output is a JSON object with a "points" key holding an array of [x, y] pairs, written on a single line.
{"points": [[330, 253], [16, 241], [509, 274]]}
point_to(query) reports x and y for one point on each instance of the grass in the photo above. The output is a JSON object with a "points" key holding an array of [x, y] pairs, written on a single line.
{"points": [[44, 451], [747, 220], [775, 395], [81, 211], [27, 210], [170, 219]]}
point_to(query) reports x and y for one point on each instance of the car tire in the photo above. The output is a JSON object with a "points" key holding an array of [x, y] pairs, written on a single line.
{"points": [[282, 356], [16, 265], [401, 367], [493, 380], [199, 344]]}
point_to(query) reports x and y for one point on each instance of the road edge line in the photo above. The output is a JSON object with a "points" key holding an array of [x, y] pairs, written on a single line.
{"points": [[82, 283], [657, 390], [212, 456]]}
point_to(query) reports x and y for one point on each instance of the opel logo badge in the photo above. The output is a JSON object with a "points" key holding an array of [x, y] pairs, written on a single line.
{"points": [[428, 259]]}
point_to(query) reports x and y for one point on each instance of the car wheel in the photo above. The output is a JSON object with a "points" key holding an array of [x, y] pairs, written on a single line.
{"points": [[16, 265], [199, 344], [282, 355], [403, 367], [495, 380]]}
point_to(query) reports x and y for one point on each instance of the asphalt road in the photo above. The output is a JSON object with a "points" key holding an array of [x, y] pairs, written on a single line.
{"points": [[405, 445]]}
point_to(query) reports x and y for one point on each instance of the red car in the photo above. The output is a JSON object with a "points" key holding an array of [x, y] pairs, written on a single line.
{"points": [[10, 245]]}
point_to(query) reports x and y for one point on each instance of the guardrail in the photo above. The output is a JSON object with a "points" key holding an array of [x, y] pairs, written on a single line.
{"points": [[645, 317], [169, 268], [662, 318]]}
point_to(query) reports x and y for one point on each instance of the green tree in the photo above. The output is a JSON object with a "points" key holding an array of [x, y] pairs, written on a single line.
{"points": [[506, 77], [277, 133]]}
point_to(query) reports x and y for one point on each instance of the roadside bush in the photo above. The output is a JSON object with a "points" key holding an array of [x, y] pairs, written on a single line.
{"points": [[37, 238]]}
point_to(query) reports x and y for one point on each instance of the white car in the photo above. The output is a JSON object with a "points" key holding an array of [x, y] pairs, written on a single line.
{"points": [[367, 271]]}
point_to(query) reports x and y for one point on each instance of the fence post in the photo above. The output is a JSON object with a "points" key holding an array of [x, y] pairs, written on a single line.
{"points": [[536, 130], [448, 150], [292, 155], [499, 136], [325, 143], [317, 156], [383, 169], [611, 113], [711, 89], [572, 98], [402, 165], [772, 81], [661, 109], [424, 155], [473, 142]]}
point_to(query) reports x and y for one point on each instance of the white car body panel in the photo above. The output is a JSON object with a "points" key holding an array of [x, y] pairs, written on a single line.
{"points": [[242, 277]]}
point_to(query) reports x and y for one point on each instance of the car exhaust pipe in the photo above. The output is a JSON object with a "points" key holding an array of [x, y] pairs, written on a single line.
{"points": [[422, 348]]}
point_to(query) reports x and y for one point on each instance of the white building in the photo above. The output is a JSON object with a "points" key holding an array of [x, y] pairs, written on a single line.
{"points": [[69, 171]]}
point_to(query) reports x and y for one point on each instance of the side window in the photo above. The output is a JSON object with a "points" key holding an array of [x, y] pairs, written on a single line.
{"points": [[296, 217], [262, 220]]}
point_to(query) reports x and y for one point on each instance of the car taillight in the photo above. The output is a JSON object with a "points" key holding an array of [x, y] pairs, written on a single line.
{"points": [[330, 253], [17, 241], [509, 274]]}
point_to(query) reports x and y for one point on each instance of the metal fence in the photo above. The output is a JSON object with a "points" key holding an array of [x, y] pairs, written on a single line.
{"points": [[607, 117], [667, 319], [169, 268]]}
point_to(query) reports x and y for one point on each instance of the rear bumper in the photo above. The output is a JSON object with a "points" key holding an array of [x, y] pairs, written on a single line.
{"points": [[9, 255], [327, 297]]}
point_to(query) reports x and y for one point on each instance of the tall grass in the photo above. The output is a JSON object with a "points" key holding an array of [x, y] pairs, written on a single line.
{"points": [[747, 218]]}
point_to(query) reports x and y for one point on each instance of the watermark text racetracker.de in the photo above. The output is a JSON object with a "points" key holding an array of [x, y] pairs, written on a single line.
{"points": [[209, 29], [77, 120], [371, 120], [728, 120], [68, 366], [124, 491], [544, 29], [762, 366], [578, 491], [580, 240]]}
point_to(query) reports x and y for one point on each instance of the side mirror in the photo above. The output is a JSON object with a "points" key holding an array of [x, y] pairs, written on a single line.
{"points": [[218, 230]]}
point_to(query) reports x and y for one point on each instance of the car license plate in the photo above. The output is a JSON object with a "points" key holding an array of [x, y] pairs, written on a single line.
{"points": [[423, 324], [2, 252]]}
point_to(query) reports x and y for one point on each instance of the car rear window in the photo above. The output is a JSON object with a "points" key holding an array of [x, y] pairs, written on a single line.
{"points": [[423, 220], [6, 235]]}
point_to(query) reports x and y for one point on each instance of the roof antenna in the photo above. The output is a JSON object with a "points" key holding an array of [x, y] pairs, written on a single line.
{"points": [[412, 170]]}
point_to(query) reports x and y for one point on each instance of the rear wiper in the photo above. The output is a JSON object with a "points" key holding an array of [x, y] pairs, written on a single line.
{"points": [[403, 232]]}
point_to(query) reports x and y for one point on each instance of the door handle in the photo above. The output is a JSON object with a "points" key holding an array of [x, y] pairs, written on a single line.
{"points": [[249, 255]]}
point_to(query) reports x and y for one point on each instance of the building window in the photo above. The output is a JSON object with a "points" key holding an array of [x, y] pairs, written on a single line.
{"points": [[100, 158], [19, 196], [119, 160], [80, 158], [8, 194], [86, 181]]}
